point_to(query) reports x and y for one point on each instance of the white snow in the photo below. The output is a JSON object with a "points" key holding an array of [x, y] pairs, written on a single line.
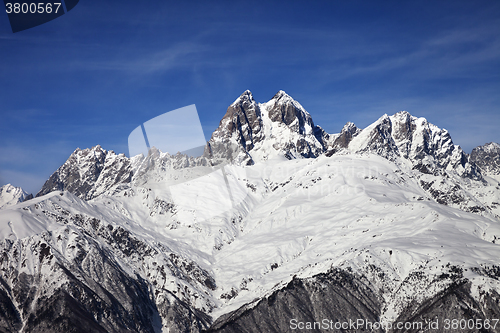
{"points": [[254, 228], [11, 195], [305, 216]]}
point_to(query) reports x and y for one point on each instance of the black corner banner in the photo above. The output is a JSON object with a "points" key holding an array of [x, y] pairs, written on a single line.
{"points": [[70, 4], [25, 14]]}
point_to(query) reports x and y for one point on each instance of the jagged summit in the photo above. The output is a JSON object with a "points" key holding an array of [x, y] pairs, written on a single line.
{"points": [[341, 141], [280, 93], [487, 157], [491, 147], [284, 125], [283, 108], [89, 172], [280, 126], [282, 97], [245, 96], [11, 195], [251, 132]]}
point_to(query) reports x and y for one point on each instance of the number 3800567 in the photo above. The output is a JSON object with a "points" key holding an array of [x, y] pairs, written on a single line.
{"points": [[32, 8]]}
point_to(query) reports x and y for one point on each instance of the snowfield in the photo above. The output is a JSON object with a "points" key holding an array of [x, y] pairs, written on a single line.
{"points": [[304, 217]]}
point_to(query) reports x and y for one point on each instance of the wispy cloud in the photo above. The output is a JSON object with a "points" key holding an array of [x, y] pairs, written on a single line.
{"points": [[455, 52], [176, 56]]}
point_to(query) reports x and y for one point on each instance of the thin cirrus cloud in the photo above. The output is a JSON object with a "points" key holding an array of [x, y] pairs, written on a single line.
{"points": [[456, 53], [173, 57]]}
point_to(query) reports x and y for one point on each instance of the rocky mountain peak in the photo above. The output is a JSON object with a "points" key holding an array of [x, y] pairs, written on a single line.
{"points": [[283, 97], [350, 130], [244, 100], [252, 131], [487, 157], [342, 140], [238, 132], [376, 138], [403, 129], [284, 109], [245, 125], [404, 125], [491, 147], [429, 148], [11, 195], [89, 172]]}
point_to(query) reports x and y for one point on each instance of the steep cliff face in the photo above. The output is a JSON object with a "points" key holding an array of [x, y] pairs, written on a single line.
{"points": [[238, 132], [376, 138], [280, 127], [429, 148], [341, 300], [487, 157], [341, 141], [242, 121], [90, 172]]}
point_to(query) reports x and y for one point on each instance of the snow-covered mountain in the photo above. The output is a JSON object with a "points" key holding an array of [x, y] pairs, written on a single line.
{"points": [[89, 173], [487, 157], [263, 130], [428, 148], [11, 195], [391, 223]]}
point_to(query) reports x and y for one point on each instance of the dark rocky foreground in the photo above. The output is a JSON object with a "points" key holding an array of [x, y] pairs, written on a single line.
{"points": [[337, 295], [340, 301], [335, 301]]}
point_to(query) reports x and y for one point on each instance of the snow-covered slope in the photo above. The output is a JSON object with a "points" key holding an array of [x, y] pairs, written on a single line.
{"points": [[60, 252], [11, 195], [392, 222], [358, 213]]}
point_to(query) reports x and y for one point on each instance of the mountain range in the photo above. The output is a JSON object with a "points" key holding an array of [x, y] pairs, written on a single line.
{"points": [[391, 223]]}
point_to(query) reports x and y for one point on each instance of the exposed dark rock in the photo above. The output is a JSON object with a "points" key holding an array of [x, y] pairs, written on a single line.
{"points": [[28, 197], [449, 309], [88, 173], [343, 297], [338, 296], [487, 157], [381, 141], [348, 132], [10, 319], [244, 118]]}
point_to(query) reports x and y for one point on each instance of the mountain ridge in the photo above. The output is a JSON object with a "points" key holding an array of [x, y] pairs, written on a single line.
{"points": [[393, 222], [252, 132]]}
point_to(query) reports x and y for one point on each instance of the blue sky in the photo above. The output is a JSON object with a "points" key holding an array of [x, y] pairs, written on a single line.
{"points": [[93, 75]]}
